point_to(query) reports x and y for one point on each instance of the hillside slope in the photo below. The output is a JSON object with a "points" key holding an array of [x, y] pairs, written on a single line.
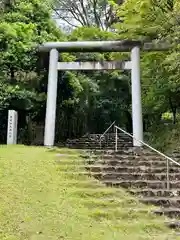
{"points": [[46, 195]]}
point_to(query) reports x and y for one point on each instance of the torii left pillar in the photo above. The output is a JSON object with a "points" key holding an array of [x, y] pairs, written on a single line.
{"points": [[50, 119], [137, 121]]}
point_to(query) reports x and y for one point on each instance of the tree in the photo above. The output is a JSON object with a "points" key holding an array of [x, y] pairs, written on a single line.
{"points": [[4, 4], [23, 25], [97, 13]]}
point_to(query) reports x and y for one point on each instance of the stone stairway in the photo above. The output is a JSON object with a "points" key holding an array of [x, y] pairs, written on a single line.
{"points": [[139, 170], [143, 173], [92, 141]]}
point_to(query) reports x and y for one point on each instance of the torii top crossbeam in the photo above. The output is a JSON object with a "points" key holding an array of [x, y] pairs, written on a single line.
{"points": [[102, 46]]}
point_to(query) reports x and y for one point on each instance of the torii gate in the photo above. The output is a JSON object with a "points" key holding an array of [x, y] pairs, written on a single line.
{"points": [[95, 46]]}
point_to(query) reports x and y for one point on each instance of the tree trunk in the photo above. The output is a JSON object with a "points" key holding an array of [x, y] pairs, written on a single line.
{"points": [[173, 109], [12, 75], [174, 115]]}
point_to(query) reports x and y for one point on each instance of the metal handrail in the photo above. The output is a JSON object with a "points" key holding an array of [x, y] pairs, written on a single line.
{"points": [[112, 124], [155, 150], [145, 144]]}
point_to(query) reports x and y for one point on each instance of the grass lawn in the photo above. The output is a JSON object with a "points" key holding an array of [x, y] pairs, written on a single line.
{"points": [[44, 196]]}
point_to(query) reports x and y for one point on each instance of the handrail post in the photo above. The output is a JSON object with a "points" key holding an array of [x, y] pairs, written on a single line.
{"points": [[167, 162], [116, 138], [100, 141]]}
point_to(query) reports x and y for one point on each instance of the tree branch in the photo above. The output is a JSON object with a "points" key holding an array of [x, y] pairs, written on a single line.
{"points": [[85, 13]]}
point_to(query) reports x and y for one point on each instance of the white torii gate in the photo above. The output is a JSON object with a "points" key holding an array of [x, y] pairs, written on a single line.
{"points": [[94, 46]]}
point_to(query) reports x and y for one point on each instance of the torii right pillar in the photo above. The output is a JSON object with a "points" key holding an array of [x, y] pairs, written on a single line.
{"points": [[136, 97]]}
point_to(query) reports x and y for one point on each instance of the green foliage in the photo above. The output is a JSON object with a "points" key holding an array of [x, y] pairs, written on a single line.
{"points": [[89, 101], [15, 97], [91, 33], [23, 25], [21, 29], [159, 21], [164, 137]]}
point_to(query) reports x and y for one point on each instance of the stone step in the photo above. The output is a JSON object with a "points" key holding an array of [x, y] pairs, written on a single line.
{"points": [[103, 142], [96, 147], [111, 176], [92, 163], [170, 212], [120, 144], [137, 163], [121, 170], [126, 151], [141, 164], [98, 141], [150, 192], [128, 157], [154, 184], [93, 140], [108, 133], [107, 136], [174, 225], [176, 157], [94, 144], [110, 152], [112, 143], [138, 169], [137, 176], [165, 202]]}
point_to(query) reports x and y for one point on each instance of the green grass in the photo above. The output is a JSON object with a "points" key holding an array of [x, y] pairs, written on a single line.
{"points": [[40, 201]]}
